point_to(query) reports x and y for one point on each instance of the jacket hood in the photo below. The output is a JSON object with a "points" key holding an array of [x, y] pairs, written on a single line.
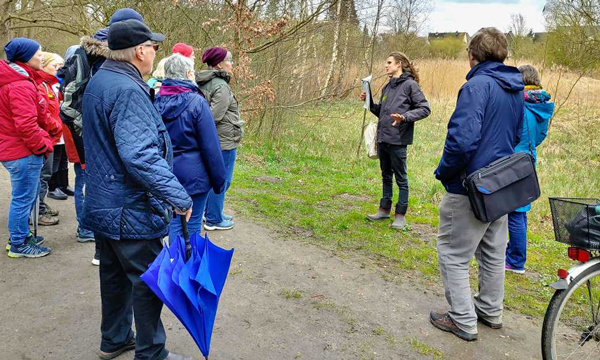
{"points": [[542, 111], [508, 77], [397, 81], [9, 75], [94, 46], [205, 76], [174, 98]]}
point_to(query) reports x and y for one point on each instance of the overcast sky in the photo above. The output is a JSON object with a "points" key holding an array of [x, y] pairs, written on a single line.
{"points": [[471, 15]]}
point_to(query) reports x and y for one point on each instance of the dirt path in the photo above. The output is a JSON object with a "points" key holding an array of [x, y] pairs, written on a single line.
{"points": [[283, 300]]}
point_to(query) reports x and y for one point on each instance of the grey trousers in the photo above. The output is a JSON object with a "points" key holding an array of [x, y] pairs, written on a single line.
{"points": [[461, 236]]}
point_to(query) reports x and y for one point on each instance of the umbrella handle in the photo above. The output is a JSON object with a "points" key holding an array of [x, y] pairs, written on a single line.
{"points": [[186, 237]]}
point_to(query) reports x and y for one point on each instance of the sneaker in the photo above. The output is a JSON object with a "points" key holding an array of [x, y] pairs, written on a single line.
{"points": [[516, 271], [28, 250], [47, 220], [443, 322], [39, 240], [68, 191], [223, 225], [96, 259], [227, 217], [108, 356], [57, 194], [381, 214], [85, 236]]}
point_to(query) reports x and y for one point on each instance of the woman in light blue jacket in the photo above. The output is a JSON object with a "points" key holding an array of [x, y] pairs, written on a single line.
{"points": [[538, 111]]}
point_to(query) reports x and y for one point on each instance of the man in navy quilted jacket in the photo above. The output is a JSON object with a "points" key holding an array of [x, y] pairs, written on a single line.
{"points": [[131, 190]]}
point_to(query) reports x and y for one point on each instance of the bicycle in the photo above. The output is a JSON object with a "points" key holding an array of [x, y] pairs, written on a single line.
{"points": [[571, 328]]}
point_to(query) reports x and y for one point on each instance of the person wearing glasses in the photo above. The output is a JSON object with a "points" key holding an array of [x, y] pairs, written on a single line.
{"points": [[82, 62], [131, 190], [214, 84]]}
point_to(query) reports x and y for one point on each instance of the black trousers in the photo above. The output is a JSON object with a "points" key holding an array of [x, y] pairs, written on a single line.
{"points": [[392, 160], [60, 169], [123, 293]]}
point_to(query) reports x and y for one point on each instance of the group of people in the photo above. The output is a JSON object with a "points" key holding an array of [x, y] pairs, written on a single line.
{"points": [[149, 157], [500, 110]]}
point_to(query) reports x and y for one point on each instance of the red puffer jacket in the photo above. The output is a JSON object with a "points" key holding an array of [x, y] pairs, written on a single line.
{"points": [[24, 123], [44, 83]]}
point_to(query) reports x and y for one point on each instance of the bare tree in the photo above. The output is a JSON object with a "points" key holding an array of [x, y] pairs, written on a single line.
{"points": [[407, 18]]}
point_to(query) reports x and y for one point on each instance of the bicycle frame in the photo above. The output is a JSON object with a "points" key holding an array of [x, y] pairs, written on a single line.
{"points": [[573, 272]]}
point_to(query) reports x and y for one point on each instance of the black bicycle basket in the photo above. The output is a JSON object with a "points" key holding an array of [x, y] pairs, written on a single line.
{"points": [[577, 221]]}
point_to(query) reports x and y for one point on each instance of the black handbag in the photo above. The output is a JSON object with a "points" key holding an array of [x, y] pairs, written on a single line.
{"points": [[503, 186]]}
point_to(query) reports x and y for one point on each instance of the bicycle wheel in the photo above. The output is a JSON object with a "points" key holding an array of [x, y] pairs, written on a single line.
{"points": [[571, 327]]}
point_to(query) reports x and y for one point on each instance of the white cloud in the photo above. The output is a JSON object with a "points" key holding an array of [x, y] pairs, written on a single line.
{"points": [[449, 15]]}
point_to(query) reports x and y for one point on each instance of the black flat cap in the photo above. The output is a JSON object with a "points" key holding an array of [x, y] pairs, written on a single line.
{"points": [[130, 33]]}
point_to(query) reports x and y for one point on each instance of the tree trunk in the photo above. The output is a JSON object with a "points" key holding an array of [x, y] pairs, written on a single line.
{"points": [[334, 55]]}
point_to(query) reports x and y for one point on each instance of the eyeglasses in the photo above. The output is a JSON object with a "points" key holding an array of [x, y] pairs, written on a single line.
{"points": [[468, 49], [155, 46], [230, 61]]}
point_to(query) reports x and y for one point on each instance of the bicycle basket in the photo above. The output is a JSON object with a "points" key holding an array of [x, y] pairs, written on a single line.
{"points": [[576, 222]]}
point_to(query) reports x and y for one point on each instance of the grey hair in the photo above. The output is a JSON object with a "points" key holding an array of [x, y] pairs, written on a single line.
{"points": [[228, 56], [125, 55], [177, 67], [530, 75]]}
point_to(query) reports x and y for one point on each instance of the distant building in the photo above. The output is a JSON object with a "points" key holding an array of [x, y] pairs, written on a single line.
{"points": [[462, 36]]}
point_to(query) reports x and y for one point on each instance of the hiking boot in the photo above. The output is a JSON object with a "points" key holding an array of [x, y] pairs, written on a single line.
{"points": [[111, 355], [57, 194], [482, 319], [443, 322], [511, 269], [381, 214], [27, 250], [399, 222], [68, 191], [96, 259], [39, 240], [50, 211], [47, 220], [223, 225]]}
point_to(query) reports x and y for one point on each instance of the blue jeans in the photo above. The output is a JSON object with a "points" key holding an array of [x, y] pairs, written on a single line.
{"points": [[215, 203], [516, 251], [25, 182], [195, 223], [80, 199]]}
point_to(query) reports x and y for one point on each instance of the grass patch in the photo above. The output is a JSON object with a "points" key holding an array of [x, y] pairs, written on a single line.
{"points": [[308, 183], [425, 349], [291, 294]]}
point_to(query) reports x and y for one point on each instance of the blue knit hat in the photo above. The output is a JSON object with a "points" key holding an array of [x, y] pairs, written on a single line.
{"points": [[125, 14], [21, 49]]}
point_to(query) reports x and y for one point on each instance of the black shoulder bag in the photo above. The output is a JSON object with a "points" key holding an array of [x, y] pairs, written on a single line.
{"points": [[503, 186]]}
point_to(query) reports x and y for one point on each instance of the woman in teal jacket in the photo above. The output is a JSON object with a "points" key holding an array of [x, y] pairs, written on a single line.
{"points": [[538, 111]]}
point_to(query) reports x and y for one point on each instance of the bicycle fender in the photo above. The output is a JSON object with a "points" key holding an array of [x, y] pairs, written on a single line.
{"points": [[574, 272]]}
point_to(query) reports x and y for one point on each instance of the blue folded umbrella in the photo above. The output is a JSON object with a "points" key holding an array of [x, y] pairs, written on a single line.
{"points": [[189, 276]]}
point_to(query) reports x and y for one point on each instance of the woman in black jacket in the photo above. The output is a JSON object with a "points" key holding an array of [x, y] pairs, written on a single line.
{"points": [[402, 103]]}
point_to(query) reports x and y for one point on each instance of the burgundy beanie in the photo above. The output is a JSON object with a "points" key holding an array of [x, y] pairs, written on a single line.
{"points": [[183, 49], [214, 55]]}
